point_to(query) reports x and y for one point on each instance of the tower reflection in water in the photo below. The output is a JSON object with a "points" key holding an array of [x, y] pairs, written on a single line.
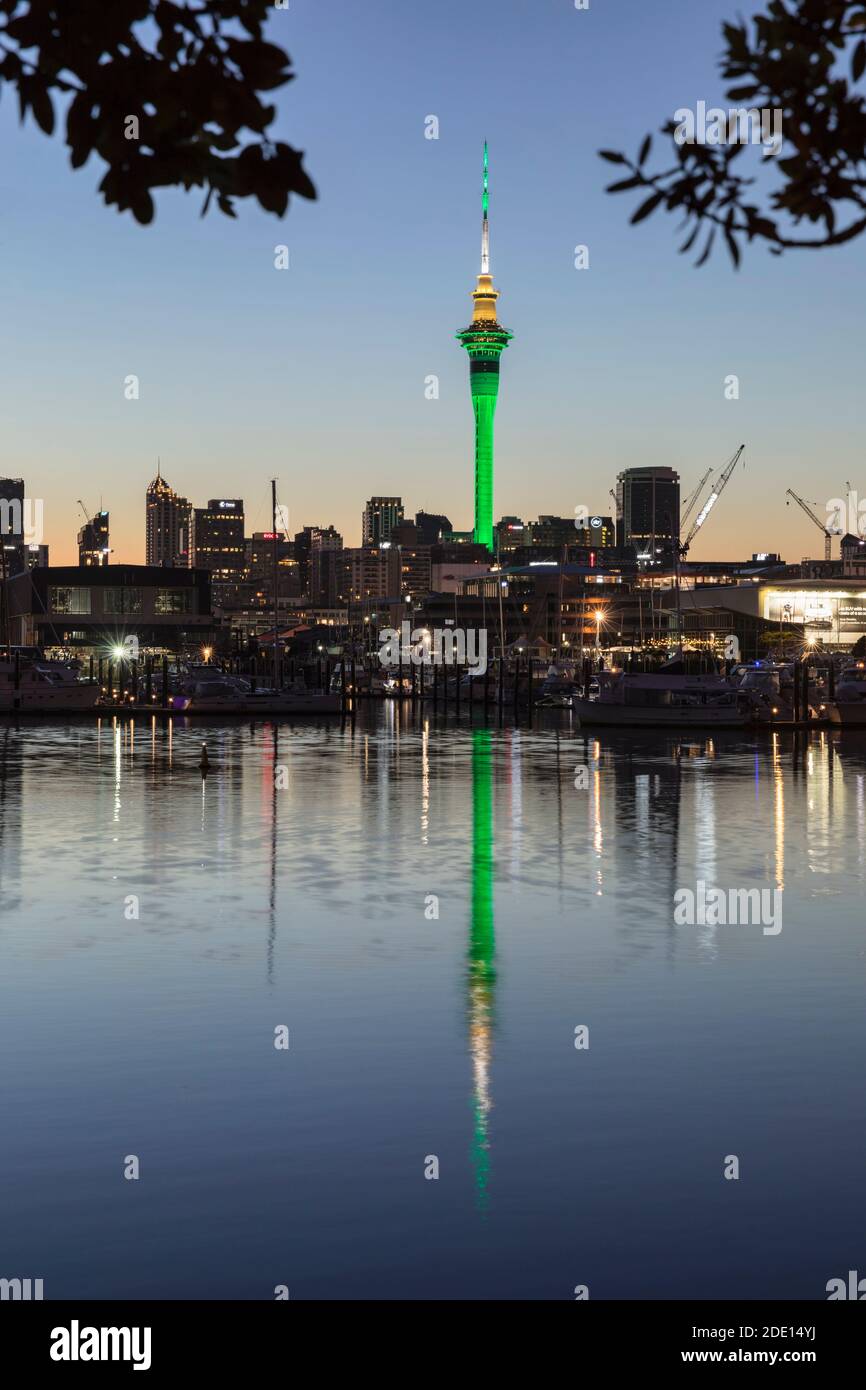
{"points": [[481, 972]]}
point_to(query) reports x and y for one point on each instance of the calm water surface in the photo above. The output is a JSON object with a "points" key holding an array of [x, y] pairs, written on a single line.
{"points": [[411, 1036]]}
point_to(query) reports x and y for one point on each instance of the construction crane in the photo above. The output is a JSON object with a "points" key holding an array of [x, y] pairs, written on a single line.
{"points": [[711, 501], [828, 533], [691, 500]]}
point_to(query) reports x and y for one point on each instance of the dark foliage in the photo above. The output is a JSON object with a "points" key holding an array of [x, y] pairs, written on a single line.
{"points": [[804, 58], [192, 75]]}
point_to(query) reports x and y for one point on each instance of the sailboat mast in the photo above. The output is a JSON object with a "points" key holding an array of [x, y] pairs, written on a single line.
{"points": [[276, 562]]}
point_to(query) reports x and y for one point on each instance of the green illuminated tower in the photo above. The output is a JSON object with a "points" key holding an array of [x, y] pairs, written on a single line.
{"points": [[485, 340]]}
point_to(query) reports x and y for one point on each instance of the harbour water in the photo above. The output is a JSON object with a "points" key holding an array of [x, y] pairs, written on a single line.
{"points": [[431, 914]]}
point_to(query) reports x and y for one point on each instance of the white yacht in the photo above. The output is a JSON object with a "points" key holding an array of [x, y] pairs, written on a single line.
{"points": [[44, 686]]}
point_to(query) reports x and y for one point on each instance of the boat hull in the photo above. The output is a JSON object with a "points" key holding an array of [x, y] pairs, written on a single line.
{"points": [[36, 699], [253, 705], [849, 716], [659, 717]]}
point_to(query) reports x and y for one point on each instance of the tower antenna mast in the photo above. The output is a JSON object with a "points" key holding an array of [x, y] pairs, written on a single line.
{"points": [[485, 222]]}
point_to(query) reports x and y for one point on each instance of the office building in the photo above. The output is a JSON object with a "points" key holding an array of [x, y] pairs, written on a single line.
{"points": [[168, 522], [217, 539], [381, 515], [648, 513]]}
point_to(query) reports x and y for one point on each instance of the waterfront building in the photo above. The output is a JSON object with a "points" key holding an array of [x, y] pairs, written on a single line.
{"points": [[547, 606], [854, 556], [91, 611], [819, 612]]}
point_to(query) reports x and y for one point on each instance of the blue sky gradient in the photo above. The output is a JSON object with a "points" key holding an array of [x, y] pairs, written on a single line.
{"points": [[316, 375]]}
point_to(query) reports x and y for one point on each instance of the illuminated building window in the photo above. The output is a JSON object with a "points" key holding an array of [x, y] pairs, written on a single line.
{"points": [[170, 601], [63, 600]]}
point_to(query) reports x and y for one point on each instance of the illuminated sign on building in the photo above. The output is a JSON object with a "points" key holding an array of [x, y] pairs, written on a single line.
{"points": [[830, 613]]}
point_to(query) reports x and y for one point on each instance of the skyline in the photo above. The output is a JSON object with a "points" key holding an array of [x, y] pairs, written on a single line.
{"points": [[619, 365]]}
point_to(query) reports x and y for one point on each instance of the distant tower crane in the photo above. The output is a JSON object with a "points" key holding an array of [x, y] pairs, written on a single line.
{"points": [[692, 499], [711, 501], [828, 533]]}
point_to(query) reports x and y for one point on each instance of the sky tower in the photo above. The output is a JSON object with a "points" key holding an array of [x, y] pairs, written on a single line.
{"points": [[484, 340]]}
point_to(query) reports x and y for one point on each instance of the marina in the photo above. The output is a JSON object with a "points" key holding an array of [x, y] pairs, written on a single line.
{"points": [[682, 694]]}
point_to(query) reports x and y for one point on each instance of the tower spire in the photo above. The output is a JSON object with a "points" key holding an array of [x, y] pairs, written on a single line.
{"points": [[485, 224]]}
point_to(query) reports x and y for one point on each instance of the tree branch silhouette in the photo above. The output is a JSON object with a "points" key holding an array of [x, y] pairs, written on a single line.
{"points": [[794, 62], [191, 74]]}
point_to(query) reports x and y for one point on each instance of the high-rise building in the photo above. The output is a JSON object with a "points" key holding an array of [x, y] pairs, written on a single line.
{"points": [[597, 531], [217, 539], [168, 521], [485, 340], [552, 532], [431, 527], [381, 515], [93, 547], [648, 513], [19, 520], [414, 561], [322, 537], [12, 508], [326, 549], [37, 556], [259, 561], [509, 533], [371, 572]]}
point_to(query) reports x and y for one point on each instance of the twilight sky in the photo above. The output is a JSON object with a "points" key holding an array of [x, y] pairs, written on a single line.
{"points": [[316, 374]]}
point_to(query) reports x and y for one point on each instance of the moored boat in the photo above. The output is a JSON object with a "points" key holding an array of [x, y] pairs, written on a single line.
{"points": [[35, 687], [662, 699], [849, 707], [215, 693]]}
